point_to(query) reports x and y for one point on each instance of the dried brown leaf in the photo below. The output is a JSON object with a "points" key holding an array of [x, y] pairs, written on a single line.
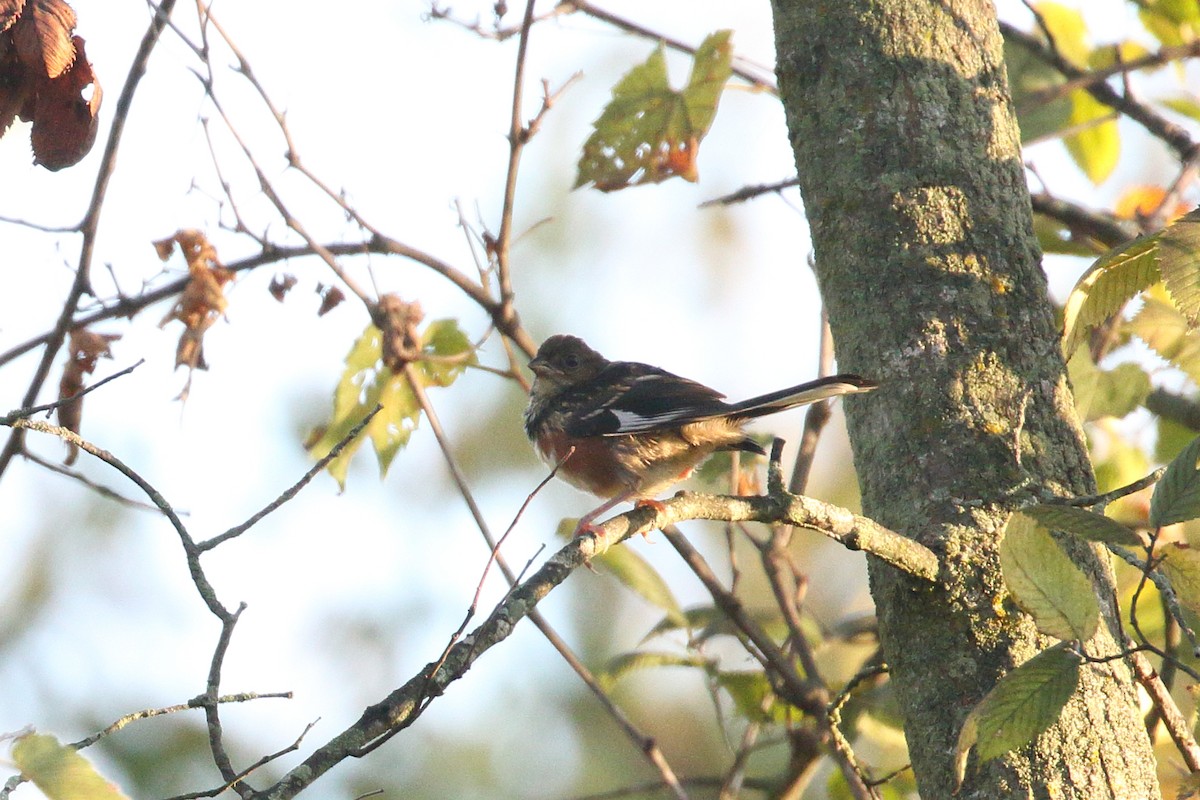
{"points": [[65, 118], [14, 88], [331, 298], [84, 349], [281, 285], [42, 34], [9, 11]]}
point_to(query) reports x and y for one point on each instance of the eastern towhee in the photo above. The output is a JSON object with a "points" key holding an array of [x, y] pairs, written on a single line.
{"points": [[637, 429]]}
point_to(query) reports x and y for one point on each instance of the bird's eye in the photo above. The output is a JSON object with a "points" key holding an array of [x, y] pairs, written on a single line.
{"points": [[570, 362]]}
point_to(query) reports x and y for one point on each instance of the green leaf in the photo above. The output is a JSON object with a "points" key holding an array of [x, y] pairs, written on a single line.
{"points": [[366, 382], [1082, 523], [1106, 393], [448, 353], [1045, 583], [751, 692], [649, 132], [1178, 258], [1020, 706], [1028, 77], [1055, 237], [1182, 567], [1172, 438], [705, 622], [1115, 279], [1096, 144], [1176, 498], [59, 771], [1166, 332], [626, 663], [636, 573]]}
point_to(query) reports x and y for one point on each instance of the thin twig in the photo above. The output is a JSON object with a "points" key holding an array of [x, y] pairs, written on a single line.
{"points": [[294, 489]]}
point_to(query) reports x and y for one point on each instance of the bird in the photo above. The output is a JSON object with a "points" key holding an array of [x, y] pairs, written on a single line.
{"points": [[623, 430]]}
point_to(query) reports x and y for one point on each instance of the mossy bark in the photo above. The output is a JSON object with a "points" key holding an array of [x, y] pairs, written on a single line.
{"points": [[910, 167]]}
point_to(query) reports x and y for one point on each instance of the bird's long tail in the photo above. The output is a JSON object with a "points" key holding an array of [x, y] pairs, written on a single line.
{"points": [[803, 394]]}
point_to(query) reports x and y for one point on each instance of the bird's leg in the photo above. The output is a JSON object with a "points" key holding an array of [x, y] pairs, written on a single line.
{"points": [[585, 522]]}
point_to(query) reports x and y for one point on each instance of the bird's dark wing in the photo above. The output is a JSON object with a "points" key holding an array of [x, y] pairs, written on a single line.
{"points": [[628, 397]]}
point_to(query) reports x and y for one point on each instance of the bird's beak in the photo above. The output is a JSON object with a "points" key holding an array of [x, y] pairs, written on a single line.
{"points": [[538, 366]]}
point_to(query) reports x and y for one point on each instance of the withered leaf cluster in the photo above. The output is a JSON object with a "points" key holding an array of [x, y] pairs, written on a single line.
{"points": [[203, 299], [85, 349], [44, 79]]}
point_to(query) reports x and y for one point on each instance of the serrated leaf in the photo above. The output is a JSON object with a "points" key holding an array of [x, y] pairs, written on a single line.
{"points": [[1045, 583], [636, 574], [1096, 144], [1166, 332], [1115, 279], [1181, 564], [1021, 705], [649, 132], [59, 771], [1178, 258], [627, 663], [1176, 497], [1082, 523]]}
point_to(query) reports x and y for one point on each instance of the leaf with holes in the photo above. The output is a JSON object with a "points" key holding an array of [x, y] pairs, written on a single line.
{"points": [[650, 132]]}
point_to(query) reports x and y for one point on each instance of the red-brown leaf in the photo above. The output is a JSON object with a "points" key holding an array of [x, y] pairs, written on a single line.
{"points": [[42, 35], [9, 11], [64, 120]]}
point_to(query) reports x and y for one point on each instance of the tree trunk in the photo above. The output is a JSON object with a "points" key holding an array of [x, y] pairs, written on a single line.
{"points": [[910, 166]]}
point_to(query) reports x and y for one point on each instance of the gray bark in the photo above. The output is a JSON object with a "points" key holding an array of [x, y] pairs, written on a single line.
{"points": [[910, 167]]}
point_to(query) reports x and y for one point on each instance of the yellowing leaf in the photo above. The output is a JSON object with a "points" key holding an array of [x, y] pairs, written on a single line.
{"points": [[1182, 566], [1178, 258], [366, 382], [1115, 279], [1045, 583], [59, 771], [1173, 22], [649, 132], [1096, 144], [1069, 30], [1166, 332]]}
